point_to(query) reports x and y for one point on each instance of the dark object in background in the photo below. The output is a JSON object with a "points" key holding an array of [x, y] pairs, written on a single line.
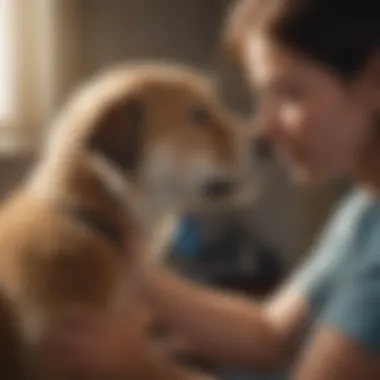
{"points": [[234, 259]]}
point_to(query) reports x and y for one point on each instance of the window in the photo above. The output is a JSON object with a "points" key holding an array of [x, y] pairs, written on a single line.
{"points": [[38, 45], [6, 64]]}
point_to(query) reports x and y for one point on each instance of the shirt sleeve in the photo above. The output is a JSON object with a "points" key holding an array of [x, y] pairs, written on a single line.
{"points": [[314, 279], [354, 308]]}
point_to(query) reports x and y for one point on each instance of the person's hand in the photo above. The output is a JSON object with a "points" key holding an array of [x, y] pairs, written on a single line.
{"points": [[90, 342]]}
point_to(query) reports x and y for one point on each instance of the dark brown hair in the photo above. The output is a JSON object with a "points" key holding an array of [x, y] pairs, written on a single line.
{"points": [[341, 34]]}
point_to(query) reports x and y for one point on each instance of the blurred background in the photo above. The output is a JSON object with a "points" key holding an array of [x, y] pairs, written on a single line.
{"points": [[48, 47]]}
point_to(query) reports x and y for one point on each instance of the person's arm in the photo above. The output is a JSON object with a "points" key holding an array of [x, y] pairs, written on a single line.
{"points": [[223, 328], [229, 329], [334, 356], [238, 331]]}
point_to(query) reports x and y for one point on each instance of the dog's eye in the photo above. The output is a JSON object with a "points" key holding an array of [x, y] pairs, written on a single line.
{"points": [[199, 116]]}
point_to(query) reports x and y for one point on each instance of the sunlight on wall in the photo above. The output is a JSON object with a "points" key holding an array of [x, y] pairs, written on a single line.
{"points": [[6, 51]]}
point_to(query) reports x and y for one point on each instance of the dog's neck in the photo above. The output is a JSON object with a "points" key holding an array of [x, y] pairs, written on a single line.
{"points": [[157, 219], [145, 204], [84, 185], [71, 183], [75, 192]]}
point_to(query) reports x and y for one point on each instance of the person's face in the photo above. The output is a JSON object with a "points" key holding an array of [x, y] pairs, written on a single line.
{"points": [[318, 123]]}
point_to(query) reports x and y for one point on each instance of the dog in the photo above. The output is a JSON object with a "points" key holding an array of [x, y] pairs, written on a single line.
{"points": [[129, 152]]}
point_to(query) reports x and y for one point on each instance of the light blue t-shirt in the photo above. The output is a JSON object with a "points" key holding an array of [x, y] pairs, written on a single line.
{"points": [[341, 279]]}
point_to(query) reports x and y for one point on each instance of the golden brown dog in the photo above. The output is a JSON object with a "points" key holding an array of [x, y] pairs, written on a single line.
{"points": [[132, 146]]}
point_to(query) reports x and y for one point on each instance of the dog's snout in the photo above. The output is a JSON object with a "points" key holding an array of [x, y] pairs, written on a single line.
{"points": [[261, 148]]}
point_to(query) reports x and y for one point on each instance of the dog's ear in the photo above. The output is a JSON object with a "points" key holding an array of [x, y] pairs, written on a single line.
{"points": [[119, 134]]}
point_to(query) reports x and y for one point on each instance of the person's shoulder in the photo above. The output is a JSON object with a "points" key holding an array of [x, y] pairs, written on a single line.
{"points": [[332, 250], [354, 307], [345, 219], [355, 203], [369, 234]]}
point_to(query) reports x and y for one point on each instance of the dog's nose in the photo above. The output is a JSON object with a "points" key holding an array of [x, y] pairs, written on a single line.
{"points": [[261, 148], [218, 188]]}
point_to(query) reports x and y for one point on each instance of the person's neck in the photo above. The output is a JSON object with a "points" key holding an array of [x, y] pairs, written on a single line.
{"points": [[367, 173]]}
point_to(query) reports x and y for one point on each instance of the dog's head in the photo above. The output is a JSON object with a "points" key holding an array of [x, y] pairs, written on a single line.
{"points": [[165, 131]]}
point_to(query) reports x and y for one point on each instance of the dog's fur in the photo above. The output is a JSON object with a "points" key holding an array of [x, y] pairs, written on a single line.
{"points": [[134, 145]]}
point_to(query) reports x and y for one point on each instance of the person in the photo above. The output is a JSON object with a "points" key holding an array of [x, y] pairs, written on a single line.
{"points": [[315, 66]]}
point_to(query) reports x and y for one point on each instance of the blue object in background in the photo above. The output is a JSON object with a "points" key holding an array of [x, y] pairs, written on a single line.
{"points": [[189, 239]]}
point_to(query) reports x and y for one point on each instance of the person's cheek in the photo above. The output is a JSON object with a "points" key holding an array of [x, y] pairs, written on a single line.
{"points": [[328, 146]]}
